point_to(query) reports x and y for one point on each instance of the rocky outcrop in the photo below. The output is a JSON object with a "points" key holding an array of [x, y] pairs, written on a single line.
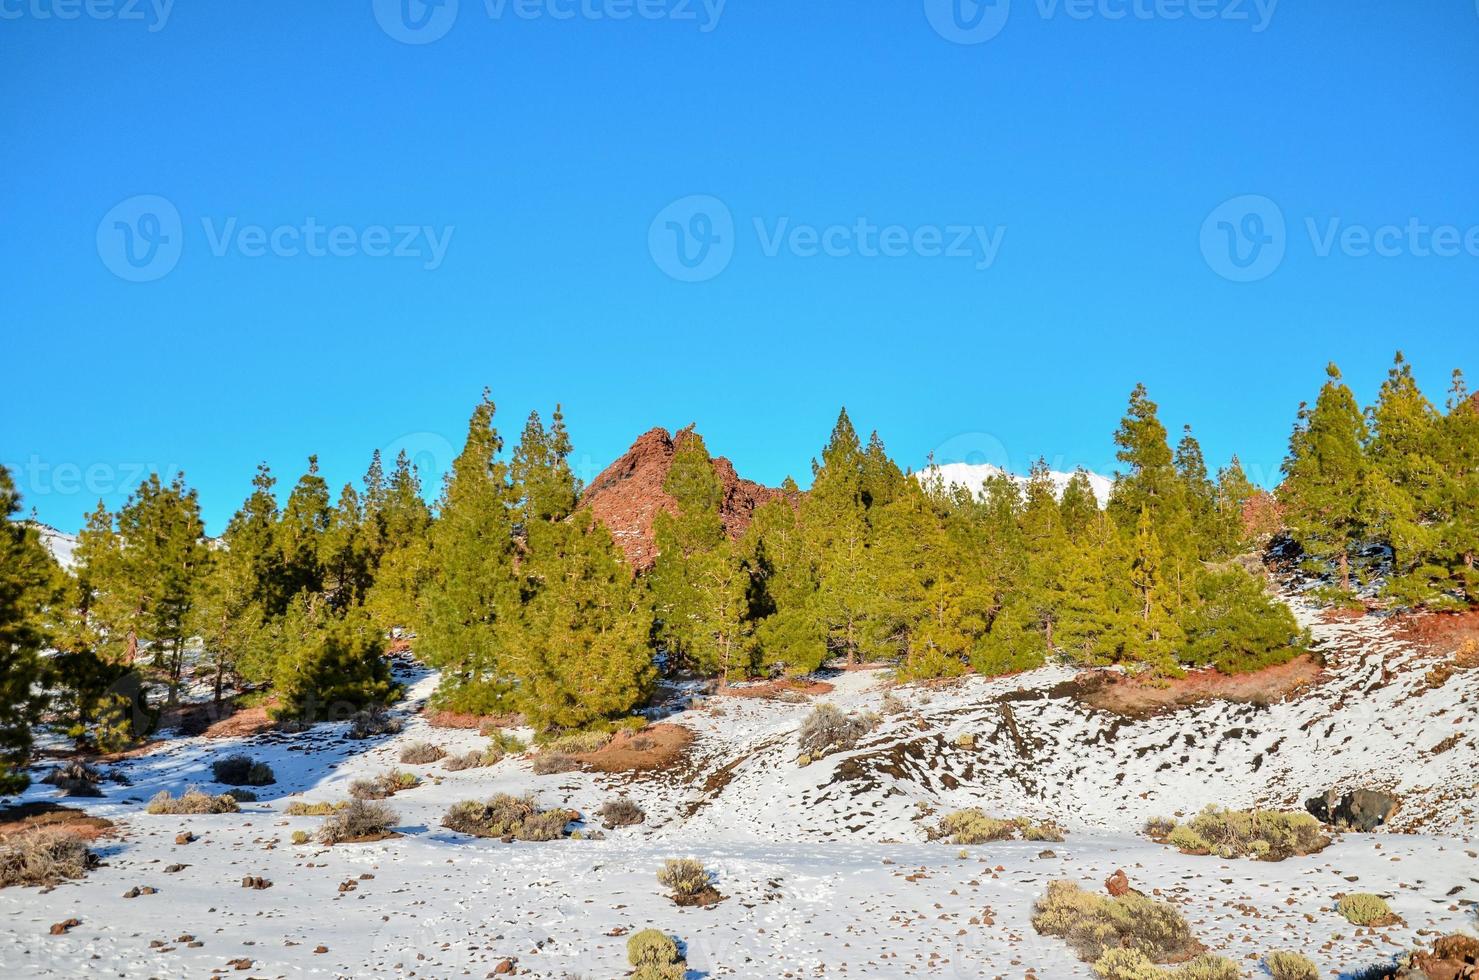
{"points": [[628, 495]]}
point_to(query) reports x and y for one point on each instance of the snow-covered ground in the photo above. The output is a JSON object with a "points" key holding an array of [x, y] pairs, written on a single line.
{"points": [[826, 867], [974, 476]]}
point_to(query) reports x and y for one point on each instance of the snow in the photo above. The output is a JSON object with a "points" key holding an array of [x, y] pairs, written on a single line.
{"points": [[61, 545], [974, 476], [826, 867]]}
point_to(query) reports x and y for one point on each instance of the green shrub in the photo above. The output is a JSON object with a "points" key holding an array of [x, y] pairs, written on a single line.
{"points": [[360, 820], [43, 857], [654, 956], [972, 826], [828, 729], [506, 742], [1284, 965], [1266, 835], [1365, 909], [193, 800], [507, 817], [242, 770], [384, 785], [301, 837], [688, 881], [1093, 924], [421, 754]]}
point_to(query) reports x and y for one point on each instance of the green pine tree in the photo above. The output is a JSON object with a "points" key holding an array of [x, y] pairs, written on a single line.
{"points": [[29, 586]]}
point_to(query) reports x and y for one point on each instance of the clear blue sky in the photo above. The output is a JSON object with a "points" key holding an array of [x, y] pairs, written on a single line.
{"points": [[550, 146]]}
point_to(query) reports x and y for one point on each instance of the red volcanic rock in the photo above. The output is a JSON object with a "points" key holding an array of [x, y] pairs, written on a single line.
{"points": [[1117, 884], [628, 494]]}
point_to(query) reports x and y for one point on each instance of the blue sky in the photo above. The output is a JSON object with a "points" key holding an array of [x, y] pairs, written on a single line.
{"points": [[529, 173]]}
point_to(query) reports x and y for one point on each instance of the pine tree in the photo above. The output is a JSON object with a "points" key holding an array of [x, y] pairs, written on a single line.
{"points": [[397, 525], [1078, 506], [344, 553], [300, 530], [789, 631], [685, 536], [1199, 493], [471, 588], [333, 665], [1234, 491], [1324, 475], [29, 586], [1457, 535], [834, 519]]}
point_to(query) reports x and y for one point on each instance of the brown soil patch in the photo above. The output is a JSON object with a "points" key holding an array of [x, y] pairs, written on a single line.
{"points": [[707, 898], [777, 688], [247, 721], [654, 747], [1440, 632], [482, 724], [29, 817], [1113, 692], [369, 838]]}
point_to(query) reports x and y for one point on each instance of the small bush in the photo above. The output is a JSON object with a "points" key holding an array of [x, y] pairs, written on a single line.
{"points": [[372, 722], [360, 820], [241, 795], [1130, 964], [301, 837], [620, 812], [193, 800], [1159, 828], [1266, 835], [827, 729], [43, 857], [1094, 924], [422, 754], [551, 763], [1365, 909], [1284, 965], [892, 704], [476, 759], [688, 881], [972, 826], [385, 785], [300, 808], [242, 770], [507, 817], [506, 742], [577, 743], [654, 956], [75, 779]]}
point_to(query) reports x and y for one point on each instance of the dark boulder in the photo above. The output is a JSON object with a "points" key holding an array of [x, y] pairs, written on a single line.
{"points": [[1361, 810]]}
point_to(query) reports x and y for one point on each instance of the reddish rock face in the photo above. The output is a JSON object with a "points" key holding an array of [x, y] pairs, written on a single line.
{"points": [[1118, 883], [628, 494]]}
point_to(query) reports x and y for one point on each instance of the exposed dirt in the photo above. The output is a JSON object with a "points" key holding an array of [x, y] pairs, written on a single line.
{"points": [[243, 723], [34, 816], [1441, 633], [1116, 693], [777, 688], [482, 724], [654, 747]]}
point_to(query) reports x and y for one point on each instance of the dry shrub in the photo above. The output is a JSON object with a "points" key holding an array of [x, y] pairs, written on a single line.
{"points": [[549, 763], [300, 808], [372, 722], [1094, 924], [385, 785], [193, 800], [892, 704], [1266, 835], [507, 817], [1159, 828], [242, 770], [1131, 964], [578, 743], [476, 759], [1467, 655], [972, 826], [421, 754], [1283, 965], [620, 812], [43, 857], [654, 956], [689, 882], [828, 729], [75, 779], [1365, 909], [360, 820]]}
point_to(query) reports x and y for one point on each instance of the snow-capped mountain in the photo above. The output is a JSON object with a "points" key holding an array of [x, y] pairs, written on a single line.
{"points": [[60, 544], [973, 477]]}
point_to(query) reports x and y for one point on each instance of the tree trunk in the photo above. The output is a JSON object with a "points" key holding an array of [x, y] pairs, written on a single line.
{"points": [[1345, 571]]}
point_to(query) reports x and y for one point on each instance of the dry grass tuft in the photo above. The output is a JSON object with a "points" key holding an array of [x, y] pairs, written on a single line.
{"points": [[507, 817], [1094, 924], [828, 729], [620, 812], [360, 820], [421, 754], [43, 857], [385, 785], [192, 801], [972, 826]]}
